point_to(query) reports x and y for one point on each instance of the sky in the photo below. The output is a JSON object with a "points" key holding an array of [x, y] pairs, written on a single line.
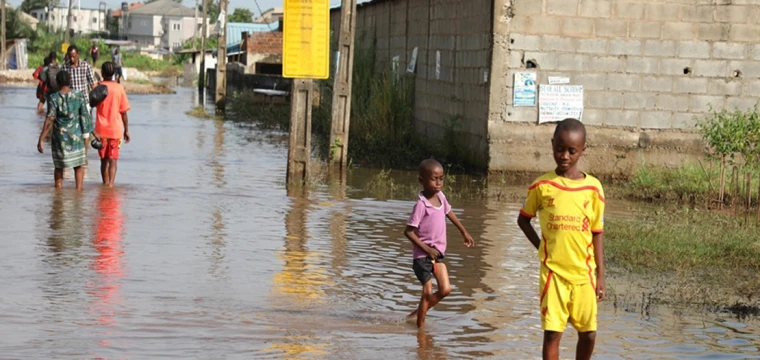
{"points": [[247, 4]]}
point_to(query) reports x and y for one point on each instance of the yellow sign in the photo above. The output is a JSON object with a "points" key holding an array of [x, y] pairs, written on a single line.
{"points": [[306, 39], [65, 47]]}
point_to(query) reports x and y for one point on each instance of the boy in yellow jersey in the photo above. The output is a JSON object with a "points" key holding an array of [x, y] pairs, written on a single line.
{"points": [[570, 207]]}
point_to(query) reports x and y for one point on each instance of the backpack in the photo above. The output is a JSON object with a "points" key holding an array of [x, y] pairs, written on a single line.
{"points": [[52, 83]]}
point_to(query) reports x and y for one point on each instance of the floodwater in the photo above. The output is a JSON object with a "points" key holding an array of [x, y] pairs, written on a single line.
{"points": [[200, 252]]}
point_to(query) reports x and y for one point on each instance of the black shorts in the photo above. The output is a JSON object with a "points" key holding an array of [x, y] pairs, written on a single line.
{"points": [[423, 268]]}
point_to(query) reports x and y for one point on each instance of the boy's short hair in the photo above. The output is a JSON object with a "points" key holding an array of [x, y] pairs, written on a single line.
{"points": [[570, 125], [63, 78], [426, 166]]}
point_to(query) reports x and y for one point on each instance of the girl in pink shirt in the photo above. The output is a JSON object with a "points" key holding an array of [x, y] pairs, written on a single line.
{"points": [[426, 229]]}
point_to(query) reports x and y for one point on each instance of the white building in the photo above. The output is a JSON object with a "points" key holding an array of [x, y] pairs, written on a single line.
{"points": [[83, 21], [162, 24]]}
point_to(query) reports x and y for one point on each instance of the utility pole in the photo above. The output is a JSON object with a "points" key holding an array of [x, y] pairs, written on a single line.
{"points": [[221, 62], [69, 18], [299, 142], [195, 27], [341, 105], [202, 69], [2, 47]]}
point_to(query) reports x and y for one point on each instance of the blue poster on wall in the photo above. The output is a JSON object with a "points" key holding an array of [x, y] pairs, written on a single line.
{"points": [[524, 89]]}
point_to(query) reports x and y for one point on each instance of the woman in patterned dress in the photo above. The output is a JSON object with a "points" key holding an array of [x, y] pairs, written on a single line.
{"points": [[70, 120]]}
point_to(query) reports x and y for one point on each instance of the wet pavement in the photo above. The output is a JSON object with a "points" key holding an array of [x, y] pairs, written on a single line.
{"points": [[200, 252]]}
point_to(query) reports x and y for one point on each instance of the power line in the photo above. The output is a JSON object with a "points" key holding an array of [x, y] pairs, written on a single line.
{"points": [[261, 13]]}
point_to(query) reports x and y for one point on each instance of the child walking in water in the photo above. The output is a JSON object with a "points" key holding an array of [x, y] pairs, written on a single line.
{"points": [[112, 125], [570, 207], [426, 229]]}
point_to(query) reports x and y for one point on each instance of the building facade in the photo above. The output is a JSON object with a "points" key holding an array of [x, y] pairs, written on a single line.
{"points": [[161, 24], [83, 20], [649, 70]]}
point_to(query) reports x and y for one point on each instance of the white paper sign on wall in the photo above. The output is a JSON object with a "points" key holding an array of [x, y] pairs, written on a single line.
{"points": [[438, 65], [559, 102], [413, 61]]}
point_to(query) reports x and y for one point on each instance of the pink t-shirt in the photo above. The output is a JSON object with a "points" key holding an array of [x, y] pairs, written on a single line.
{"points": [[430, 224]]}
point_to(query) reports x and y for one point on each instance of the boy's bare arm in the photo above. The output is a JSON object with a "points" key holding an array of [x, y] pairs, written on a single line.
{"points": [[468, 240], [125, 120], [601, 289], [409, 233], [524, 223]]}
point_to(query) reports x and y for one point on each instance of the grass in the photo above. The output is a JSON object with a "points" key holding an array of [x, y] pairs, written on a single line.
{"points": [[200, 112], [700, 249]]}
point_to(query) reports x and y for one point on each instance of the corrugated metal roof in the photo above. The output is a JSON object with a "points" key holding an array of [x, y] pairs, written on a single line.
{"points": [[235, 30]]}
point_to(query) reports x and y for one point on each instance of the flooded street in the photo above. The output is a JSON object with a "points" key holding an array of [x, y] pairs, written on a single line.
{"points": [[200, 252]]}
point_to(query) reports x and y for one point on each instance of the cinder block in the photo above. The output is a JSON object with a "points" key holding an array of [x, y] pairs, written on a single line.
{"points": [[629, 10], [675, 66], [515, 59], [590, 81], [698, 13], [685, 120], [755, 52], [694, 49], [655, 120], [527, 7], [640, 101], [702, 103], [623, 82], [740, 103], [714, 32], [524, 42], [545, 60], [639, 65], [562, 7], [573, 62], [625, 47], [663, 12], [596, 9], [521, 114], [679, 31], [732, 14], [645, 30], [752, 88], [608, 64], [749, 69], [593, 116], [611, 28], [558, 43], [622, 118], [545, 25], [657, 83], [711, 68], [691, 86], [573, 26], [672, 102], [724, 87], [605, 99], [592, 46], [733, 51], [660, 48], [518, 25], [743, 32]]}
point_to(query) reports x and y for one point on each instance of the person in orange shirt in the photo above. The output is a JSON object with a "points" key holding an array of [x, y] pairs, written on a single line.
{"points": [[570, 207], [112, 125]]}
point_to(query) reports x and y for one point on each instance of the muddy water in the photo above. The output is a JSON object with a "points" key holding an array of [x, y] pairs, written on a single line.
{"points": [[200, 252]]}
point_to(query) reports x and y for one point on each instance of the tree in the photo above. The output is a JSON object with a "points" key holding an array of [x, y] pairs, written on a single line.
{"points": [[213, 11], [15, 27], [28, 5], [241, 16]]}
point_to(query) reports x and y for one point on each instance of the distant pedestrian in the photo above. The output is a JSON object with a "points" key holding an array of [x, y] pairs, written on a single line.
{"points": [[117, 60], [426, 229], [570, 206], [94, 54], [70, 121], [112, 125], [41, 86]]}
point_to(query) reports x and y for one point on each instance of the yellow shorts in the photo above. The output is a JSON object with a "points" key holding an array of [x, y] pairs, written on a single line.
{"points": [[562, 301]]}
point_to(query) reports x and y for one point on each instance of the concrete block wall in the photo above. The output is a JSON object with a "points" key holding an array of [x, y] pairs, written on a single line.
{"points": [[461, 31], [648, 67]]}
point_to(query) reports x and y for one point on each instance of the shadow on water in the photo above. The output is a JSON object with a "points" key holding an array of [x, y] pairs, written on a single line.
{"points": [[200, 251]]}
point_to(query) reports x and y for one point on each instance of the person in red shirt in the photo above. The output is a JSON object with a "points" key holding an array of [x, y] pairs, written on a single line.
{"points": [[112, 125]]}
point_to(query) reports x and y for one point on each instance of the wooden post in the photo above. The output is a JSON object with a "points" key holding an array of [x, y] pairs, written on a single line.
{"points": [[195, 27], [69, 18], [341, 105], [221, 62], [299, 145], [202, 68], [3, 35]]}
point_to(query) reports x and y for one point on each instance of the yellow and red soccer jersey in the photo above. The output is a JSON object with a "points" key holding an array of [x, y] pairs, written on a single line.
{"points": [[570, 212]]}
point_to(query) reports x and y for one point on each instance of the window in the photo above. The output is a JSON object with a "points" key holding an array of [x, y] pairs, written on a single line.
{"points": [[75, 19], [94, 20], [176, 45], [130, 24], [143, 23], [175, 27]]}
